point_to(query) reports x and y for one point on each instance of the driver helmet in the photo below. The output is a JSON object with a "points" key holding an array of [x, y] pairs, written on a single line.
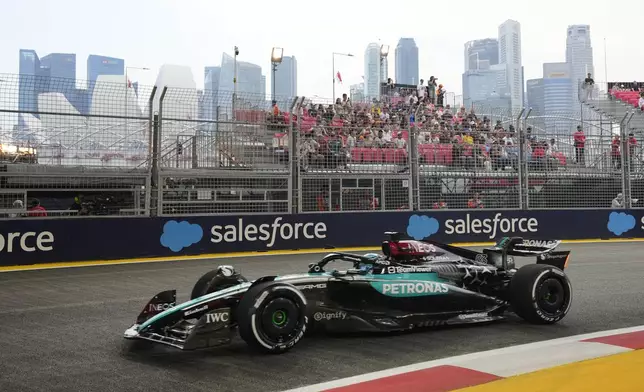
{"points": [[372, 256]]}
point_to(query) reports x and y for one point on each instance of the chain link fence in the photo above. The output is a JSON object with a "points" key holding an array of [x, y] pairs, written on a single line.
{"points": [[114, 151]]}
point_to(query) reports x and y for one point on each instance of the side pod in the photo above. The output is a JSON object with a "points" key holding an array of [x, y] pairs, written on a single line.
{"points": [[159, 303], [556, 259]]}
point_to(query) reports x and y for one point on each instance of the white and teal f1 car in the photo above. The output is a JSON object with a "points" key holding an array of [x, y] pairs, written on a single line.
{"points": [[411, 284]]}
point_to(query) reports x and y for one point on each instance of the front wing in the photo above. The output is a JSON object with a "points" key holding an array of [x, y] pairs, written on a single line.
{"points": [[210, 330]]}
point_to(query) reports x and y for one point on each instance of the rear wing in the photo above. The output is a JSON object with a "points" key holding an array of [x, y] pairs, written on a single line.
{"points": [[544, 250]]}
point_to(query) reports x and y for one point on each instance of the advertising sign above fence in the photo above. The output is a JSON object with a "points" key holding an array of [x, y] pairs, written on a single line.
{"points": [[33, 241]]}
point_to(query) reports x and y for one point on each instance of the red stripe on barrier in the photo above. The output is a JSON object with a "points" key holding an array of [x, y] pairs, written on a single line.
{"points": [[632, 340], [435, 379]]}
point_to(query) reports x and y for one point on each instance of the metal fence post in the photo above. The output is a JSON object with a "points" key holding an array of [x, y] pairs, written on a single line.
{"points": [[522, 161], [625, 158], [525, 192], [293, 194], [414, 172], [150, 182], [159, 138]]}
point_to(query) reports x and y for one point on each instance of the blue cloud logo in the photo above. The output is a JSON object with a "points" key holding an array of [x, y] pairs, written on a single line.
{"points": [[179, 235], [422, 226], [620, 222]]}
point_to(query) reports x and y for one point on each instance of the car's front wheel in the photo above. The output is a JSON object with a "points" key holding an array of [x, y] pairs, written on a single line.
{"points": [[540, 294], [271, 317]]}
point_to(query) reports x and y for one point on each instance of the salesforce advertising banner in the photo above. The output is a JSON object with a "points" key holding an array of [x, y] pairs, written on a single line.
{"points": [[31, 241]]}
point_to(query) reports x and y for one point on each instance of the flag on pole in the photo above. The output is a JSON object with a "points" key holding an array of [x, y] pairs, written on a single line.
{"points": [[339, 77]]}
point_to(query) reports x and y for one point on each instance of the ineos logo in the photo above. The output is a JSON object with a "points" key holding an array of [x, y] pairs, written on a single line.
{"points": [[29, 241]]}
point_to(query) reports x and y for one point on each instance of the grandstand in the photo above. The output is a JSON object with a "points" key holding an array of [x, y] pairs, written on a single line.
{"points": [[178, 151]]}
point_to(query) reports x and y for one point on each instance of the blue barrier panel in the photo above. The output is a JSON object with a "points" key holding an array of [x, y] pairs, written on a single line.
{"points": [[32, 241]]}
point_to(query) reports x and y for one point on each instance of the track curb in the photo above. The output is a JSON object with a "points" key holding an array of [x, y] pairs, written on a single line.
{"points": [[479, 368]]}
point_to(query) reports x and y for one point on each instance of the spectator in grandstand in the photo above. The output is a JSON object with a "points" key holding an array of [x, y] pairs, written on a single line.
{"points": [[431, 90], [632, 146], [309, 151], [640, 103], [421, 90], [475, 201], [440, 204], [615, 152], [36, 209], [17, 205], [587, 87], [322, 200], [635, 86], [76, 205], [440, 96], [619, 201], [580, 145], [399, 142]]}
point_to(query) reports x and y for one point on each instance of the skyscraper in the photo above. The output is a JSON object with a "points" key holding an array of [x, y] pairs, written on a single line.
{"points": [[98, 66], [481, 52], [557, 90], [54, 73], [534, 93], [510, 57], [372, 71], [251, 86], [210, 91], [285, 79], [579, 56], [384, 70], [485, 87], [406, 62]]}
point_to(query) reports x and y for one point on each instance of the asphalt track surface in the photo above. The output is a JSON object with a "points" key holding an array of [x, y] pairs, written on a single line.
{"points": [[61, 329]]}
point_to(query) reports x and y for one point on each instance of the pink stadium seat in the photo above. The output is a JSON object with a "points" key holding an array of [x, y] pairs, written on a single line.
{"points": [[389, 155], [356, 154], [401, 156], [367, 154], [376, 155], [447, 153]]}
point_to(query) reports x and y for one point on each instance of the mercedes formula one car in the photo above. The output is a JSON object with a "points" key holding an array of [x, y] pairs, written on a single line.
{"points": [[411, 284]]}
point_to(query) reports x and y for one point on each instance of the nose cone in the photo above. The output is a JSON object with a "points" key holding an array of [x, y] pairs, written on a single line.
{"points": [[131, 332]]}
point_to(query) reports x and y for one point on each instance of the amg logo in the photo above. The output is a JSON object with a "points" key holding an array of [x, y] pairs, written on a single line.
{"points": [[160, 307], [414, 288], [196, 310], [312, 286], [217, 317]]}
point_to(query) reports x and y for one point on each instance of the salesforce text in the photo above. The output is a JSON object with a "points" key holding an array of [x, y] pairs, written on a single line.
{"points": [[267, 232], [491, 226], [29, 241]]}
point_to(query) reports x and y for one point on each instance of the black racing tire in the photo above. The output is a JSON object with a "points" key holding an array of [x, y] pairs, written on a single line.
{"points": [[271, 317], [215, 280], [540, 293]]}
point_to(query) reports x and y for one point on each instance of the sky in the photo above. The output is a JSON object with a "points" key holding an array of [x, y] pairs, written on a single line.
{"points": [[150, 33]]}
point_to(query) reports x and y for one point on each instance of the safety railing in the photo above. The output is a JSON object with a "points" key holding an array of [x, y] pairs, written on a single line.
{"points": [[173, 151]]}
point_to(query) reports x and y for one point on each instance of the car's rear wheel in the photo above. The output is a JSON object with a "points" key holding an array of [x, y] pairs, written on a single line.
{"points": [[541, 294], [220, 278], [271, 317]]}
